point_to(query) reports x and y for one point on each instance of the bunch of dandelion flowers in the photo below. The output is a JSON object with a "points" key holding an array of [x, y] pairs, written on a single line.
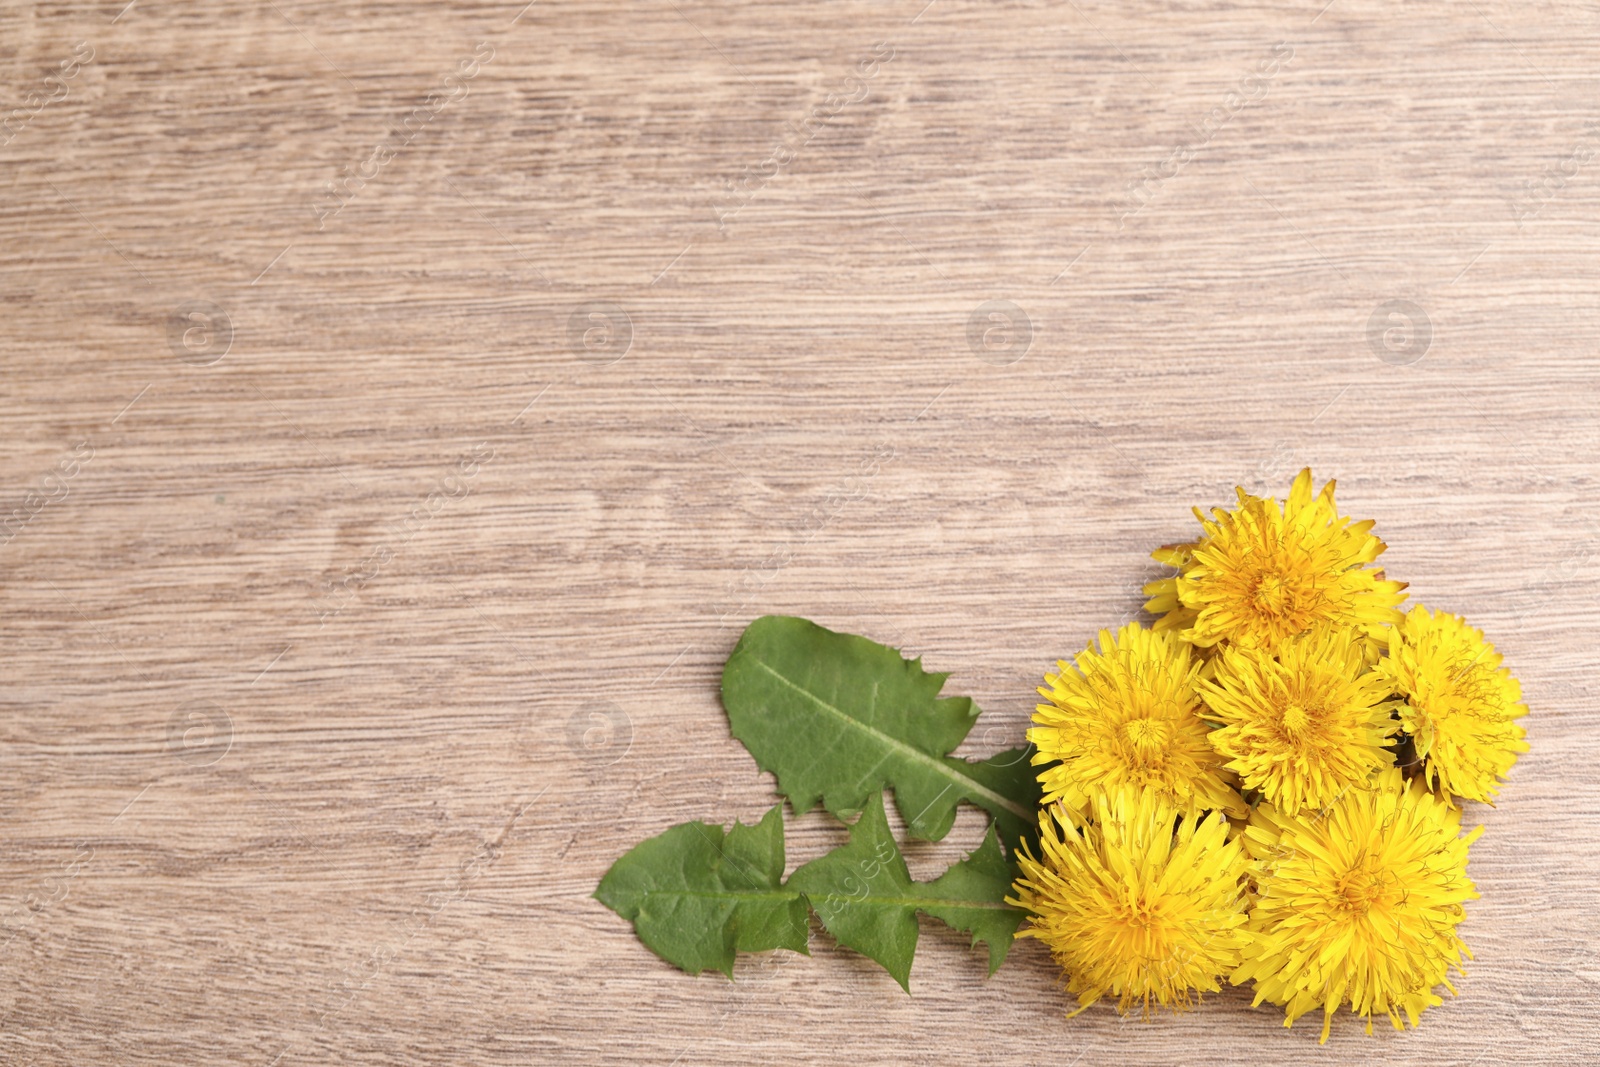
{"points": [[1141, 903], [1280, 645]]}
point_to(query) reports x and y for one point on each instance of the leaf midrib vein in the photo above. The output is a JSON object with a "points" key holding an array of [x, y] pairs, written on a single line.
{"points": [[728, 894], [924, 903], [972, 784], [921, 903]]}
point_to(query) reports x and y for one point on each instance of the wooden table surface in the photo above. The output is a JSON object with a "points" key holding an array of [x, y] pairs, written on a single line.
{"points": [[405, 406]]}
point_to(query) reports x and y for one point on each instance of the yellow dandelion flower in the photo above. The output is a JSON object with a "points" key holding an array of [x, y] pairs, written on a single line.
{"points": [[1132, 907], [1461, 706], [1126, 715], [1359, 904], [1264, 573], [1304, 725]]}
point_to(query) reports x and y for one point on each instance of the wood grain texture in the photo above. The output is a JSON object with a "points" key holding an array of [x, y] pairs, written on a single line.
{"points": [[348, 640]]}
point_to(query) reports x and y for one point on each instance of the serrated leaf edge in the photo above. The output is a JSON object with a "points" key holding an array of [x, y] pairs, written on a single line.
{"points": [[920, 905], [917, 904]]}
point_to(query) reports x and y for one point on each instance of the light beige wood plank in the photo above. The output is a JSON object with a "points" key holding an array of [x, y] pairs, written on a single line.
{"points": [[381, 844]]}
